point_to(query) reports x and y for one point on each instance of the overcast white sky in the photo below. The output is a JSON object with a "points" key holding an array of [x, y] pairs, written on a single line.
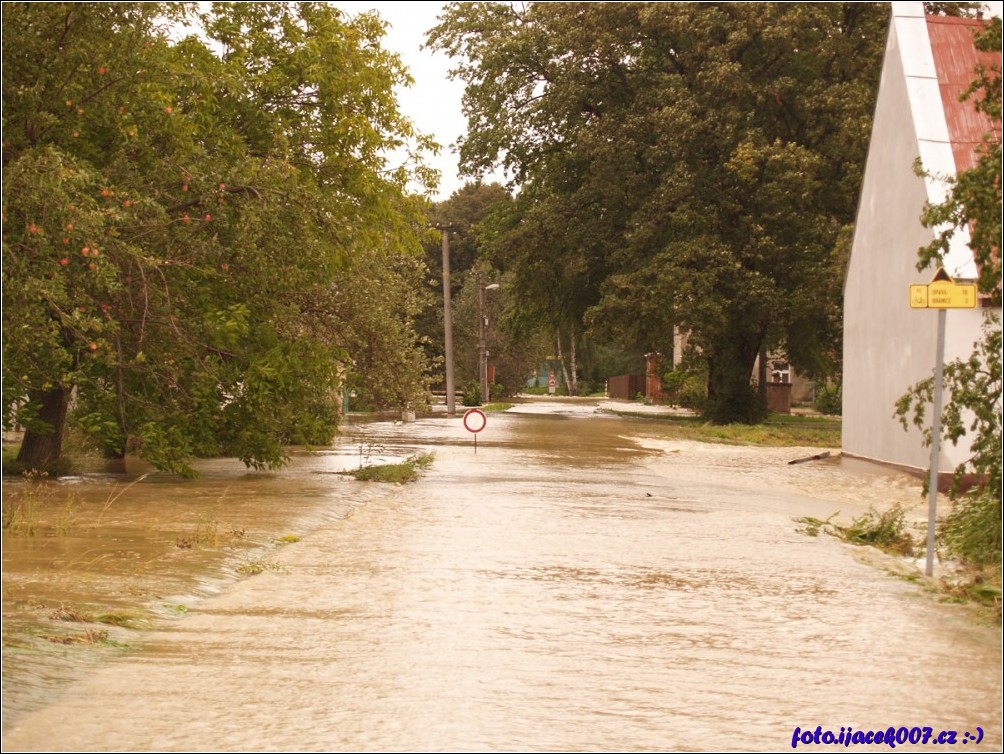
{"points": [[433, 103]]}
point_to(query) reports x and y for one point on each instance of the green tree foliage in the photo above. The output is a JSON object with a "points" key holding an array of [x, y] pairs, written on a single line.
{"points": [[974, 384], [512, 352], [952, 9], [975, 200], [191, 227], [464, 212], [376, 313], [461, 213], [679, 164]]}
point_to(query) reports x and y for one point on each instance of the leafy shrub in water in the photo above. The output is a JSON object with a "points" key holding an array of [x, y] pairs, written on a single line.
{"points": [[395, 473], [886, 531], [972, 532], [974, 410]]}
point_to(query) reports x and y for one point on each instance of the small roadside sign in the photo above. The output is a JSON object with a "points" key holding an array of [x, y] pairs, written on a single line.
{"points": [[943, 293], [475, 420], [552, 383]]}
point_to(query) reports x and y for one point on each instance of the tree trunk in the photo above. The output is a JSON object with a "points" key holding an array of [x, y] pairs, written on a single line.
{"points": [[564, 370], [762, 375], [575, 367], [42, 446], [731, 397]]}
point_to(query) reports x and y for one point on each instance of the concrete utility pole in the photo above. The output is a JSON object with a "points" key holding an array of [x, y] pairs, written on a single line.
{"points": [[451, 393]]}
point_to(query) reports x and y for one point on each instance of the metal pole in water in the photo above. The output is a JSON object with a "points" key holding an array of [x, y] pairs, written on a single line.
{"points": [[482, 348], [932, 483], [448, 322]]}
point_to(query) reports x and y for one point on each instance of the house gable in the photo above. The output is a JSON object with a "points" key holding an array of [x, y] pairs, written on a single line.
{"points": [[887, 346], [955, 59]]}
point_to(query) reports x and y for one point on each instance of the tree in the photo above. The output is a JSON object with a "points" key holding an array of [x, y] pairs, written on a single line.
{"points": [[974, 385], [375, 311], [182, 219], [514, 354], [679, 164], [466, 208], [461, 213], [952, 9], [514, 350]]}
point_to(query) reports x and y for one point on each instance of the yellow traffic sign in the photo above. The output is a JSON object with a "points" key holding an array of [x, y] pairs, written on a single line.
{"points": [[918, 296], [943, 293], [951, 296]]}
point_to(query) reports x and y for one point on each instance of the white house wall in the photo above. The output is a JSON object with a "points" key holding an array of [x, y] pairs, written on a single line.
{"points": [[887, 346], [909, 25]]}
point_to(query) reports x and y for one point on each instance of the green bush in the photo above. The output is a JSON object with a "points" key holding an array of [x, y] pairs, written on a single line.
{"points": [[828, 400], [395, 473], [887, 531], [472, 394], [542, 390], [972, 531], [686, 389]]}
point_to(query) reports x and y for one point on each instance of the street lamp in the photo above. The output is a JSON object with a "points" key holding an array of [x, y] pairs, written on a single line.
{"points": [[482, 347], [451, 395]]}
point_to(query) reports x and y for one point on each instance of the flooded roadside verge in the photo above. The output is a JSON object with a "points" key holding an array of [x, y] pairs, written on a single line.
{"points": [[92, 562]]}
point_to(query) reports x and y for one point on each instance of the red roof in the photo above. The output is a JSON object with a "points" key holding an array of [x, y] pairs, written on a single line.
{"points": [[955, 60]]}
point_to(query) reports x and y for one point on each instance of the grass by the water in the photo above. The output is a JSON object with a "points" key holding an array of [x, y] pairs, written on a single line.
{"points": [[780, 430]]}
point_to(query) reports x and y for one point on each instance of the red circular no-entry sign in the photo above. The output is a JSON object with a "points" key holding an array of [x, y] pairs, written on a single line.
{"points": [[475, 420]]}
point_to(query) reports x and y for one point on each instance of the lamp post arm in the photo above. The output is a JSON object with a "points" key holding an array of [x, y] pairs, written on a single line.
{"points": [[451, 395]]}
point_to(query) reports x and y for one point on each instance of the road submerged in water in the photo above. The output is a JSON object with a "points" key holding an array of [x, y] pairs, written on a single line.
{"points": [[583, 582]]}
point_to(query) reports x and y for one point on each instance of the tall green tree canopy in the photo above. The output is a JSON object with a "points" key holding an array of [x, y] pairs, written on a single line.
{"points": [[461, 214], [189, 225], [684, 164], [513, 354]]}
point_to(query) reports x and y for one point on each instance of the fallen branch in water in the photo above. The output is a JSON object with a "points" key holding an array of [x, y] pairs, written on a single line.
{"points": [[817, 457]]}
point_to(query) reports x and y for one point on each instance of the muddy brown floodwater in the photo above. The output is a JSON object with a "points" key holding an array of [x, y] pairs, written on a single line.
{"points": [[583, 583]]}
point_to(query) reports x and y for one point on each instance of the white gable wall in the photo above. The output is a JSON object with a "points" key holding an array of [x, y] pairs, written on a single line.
{"points": [[888, 346], [934, 144]]}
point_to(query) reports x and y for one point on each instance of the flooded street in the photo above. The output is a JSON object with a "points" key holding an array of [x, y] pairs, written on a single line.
{"points": [[583, 582]]}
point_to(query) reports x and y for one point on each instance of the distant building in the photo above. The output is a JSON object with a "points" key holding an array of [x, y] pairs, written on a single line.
{"points": [[888, 347]]}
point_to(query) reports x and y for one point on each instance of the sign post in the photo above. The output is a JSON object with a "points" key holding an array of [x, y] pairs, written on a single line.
{"points": [[475, 421], [942, 294]]}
